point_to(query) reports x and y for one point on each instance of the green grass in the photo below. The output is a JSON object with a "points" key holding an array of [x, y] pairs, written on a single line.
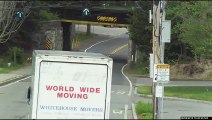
{"points": [[83, 36], [137, 69], [144, 90], [9, 69], [4, 65], [190, 92], [80, 37], [144, 110]]}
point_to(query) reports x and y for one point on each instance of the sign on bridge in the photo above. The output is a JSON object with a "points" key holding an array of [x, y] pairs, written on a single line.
{"points": [[93, 15]]}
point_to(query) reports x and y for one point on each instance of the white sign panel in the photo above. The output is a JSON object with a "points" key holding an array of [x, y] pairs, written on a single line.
{"points": [[166, 31], [72, 90], [163, 72], [159, 91]]}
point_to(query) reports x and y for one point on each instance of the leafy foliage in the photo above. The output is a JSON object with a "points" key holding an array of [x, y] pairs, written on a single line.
{"points": [[140, 29], [46, 15], [192, 26], [16, 55]]}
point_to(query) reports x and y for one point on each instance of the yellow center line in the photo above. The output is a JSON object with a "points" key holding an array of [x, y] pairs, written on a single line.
{"points": [[118, 49]]}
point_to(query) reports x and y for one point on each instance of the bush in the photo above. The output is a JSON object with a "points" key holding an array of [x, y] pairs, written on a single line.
{"points": [[16, 55]]}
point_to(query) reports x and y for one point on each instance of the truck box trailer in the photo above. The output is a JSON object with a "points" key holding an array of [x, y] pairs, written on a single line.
{"points": [[70, 85]]}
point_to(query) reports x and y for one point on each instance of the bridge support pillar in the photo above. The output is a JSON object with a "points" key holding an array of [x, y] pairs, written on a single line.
{"points": [[68, 35]]}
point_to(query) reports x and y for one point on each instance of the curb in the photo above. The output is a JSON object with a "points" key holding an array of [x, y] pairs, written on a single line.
{"points": [[134, 111], [13, 80], [175, 98]]}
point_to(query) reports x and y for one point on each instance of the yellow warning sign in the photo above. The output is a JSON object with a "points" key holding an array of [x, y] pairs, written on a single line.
{"points": [[163, 72], [48, 43], [162, 66], [106, 19]]}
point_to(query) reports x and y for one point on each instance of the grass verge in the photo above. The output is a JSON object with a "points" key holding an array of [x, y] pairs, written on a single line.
{"points": [[83, 36], [190, 92], [144, 110], [136, 70], [80, 37], [9, 69]]}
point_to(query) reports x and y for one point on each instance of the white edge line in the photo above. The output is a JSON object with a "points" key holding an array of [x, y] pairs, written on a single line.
{"points": [[134, 112], [15, 82], [101, 42], [130, 91], [125, 111]]}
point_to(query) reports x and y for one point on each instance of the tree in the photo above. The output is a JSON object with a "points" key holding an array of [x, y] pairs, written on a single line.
{"points": [[140, 29], [196, 27], [191, 27], [9, 22]]}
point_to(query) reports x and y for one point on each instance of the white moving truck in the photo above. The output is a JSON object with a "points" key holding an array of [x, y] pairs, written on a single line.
{"points": [[70, 85]]}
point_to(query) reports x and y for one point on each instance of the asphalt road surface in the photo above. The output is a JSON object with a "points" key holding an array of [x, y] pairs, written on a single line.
{"points": [[13, 102], [120, 97]]}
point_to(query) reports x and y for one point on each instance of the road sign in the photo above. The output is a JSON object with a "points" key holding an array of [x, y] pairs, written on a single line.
{"points": [[159, 91], [161, 73], [20, 14], [94, 15], [166, 31], [86, 12]]}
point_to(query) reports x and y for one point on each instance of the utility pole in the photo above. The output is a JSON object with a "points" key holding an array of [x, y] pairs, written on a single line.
{"points": [[156, 52], [161, 74]]}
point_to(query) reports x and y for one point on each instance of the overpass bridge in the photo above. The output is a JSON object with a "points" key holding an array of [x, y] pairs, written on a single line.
{"points": [[96, 16]]}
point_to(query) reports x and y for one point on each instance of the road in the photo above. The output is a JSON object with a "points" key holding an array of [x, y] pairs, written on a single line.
{"points": [[120, 97], [13, 103]]}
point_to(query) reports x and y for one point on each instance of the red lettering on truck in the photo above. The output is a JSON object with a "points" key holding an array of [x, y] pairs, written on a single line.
{"points": [[59, 88], [72, 95], [89, 90]]}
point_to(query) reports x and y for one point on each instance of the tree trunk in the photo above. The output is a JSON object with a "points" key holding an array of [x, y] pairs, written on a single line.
{"points": [[14, 57], [131, 53], [88, 29], [184, 51]]}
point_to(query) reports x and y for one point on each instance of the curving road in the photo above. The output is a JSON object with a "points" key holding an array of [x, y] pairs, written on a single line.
{"points": [[116, 48]]}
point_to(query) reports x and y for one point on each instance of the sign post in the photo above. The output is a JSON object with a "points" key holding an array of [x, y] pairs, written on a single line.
{"points": [[161, 76]]}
